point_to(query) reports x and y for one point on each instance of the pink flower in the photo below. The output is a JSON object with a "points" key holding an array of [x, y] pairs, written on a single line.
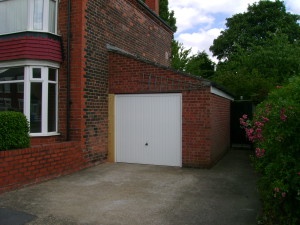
{"points": [[245, 124], [258, 124], [258, 130], [299, 173], [283, 194], [265, 119], [277, 189], [259, 152], [282, 115], [259, 136], [245, 117]]}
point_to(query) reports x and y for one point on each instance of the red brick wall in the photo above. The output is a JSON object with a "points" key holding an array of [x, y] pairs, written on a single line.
{"points": [[78, 45], [22, 167], [204, 139], [153, 5], [196, 128], [128, 25], [220, 132]]}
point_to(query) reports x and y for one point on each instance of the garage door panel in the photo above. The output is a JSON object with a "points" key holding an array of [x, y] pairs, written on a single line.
{"points": [[148, 129]]}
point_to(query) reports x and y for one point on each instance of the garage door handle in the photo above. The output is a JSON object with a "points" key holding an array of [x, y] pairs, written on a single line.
{"points": [[146, 144]]}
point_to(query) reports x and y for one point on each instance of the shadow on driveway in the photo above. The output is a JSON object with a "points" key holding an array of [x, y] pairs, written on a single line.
{"points": [[131, 194]]}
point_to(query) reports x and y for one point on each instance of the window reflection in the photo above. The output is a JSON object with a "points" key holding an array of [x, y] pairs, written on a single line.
{"points": [[36, 108]]}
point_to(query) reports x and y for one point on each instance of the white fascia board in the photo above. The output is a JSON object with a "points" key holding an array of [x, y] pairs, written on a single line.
{"points": [[220, 93]]}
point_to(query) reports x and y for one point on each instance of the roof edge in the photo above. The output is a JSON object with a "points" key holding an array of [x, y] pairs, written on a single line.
{"points": [[154, 14]]}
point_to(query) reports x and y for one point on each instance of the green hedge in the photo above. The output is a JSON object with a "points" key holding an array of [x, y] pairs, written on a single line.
{"points": [[275, 132], [14, 130]]}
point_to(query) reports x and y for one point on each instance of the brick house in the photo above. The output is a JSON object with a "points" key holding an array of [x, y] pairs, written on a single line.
{"points": [[70, 67]]}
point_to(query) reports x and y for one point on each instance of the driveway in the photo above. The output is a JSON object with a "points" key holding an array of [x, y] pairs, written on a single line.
{"points": [[131, 194]]}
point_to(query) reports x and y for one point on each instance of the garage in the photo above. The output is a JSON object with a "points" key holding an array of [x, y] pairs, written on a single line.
{"points": [[148, 129], [164, 117]]}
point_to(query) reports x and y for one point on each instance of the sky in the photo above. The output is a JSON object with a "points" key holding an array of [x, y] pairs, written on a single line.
{"points": [[199, 22]]}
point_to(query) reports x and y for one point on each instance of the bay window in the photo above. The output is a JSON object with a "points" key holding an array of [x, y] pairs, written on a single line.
{"points": [[33, 91], [28, 15]]}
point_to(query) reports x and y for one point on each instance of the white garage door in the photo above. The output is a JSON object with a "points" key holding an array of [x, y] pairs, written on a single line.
{"points": [[148, 129]]}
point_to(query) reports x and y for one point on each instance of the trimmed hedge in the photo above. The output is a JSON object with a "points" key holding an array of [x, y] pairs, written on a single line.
{"points": [[14, 131]]}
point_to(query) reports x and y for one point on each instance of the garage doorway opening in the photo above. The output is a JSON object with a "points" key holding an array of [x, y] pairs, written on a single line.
{"points": [[148, 129]]}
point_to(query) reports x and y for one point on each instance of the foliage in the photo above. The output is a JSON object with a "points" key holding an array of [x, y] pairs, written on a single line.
{"points": [[245, 30], [180, 56], [251, 85], [275, 132], [14, 131], [166, 15], [200, 64], [260, 70]]}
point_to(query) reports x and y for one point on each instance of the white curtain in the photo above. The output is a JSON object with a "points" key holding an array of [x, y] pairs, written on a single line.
{"points": [[52, 16], [13, 16], [38, 14]]}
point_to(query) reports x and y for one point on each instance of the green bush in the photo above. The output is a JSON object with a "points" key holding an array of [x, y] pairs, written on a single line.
{"points": [[275, 131], [13, 131]]}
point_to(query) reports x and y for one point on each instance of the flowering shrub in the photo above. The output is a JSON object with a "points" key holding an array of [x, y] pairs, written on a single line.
{"points": [[275, 132]]}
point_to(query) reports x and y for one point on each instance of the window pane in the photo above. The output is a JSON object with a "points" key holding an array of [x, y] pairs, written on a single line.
{"points": [[52, 15], [36, 108], [36, 73], [38, 15], [12, 74], [52, 108], [13, 16], [52, 74], [11, 99]]}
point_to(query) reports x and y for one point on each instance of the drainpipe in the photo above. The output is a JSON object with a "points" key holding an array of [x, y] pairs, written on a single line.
{"points": [[68, 69]]}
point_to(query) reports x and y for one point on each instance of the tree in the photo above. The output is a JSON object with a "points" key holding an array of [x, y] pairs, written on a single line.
{"points": [[166, 15], [245, 30], [180, 56], [200, 64], [253, 74]]}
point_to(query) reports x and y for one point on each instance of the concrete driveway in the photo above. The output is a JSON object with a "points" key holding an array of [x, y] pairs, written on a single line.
{"points": [[130, 194]]}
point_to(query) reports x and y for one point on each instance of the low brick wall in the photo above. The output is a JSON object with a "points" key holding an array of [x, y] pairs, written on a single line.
{"points": [[22, 167]]}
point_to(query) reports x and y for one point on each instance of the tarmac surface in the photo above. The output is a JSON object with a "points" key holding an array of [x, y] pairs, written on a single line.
{"points": [[132, 194]]}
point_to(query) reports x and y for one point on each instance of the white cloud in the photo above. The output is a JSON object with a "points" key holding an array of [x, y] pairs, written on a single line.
{"points": [[199, 41], [188, 18], [293, 6], [193, 13]]}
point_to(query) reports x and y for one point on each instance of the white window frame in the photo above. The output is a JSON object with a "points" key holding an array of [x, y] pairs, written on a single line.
{"points": [[45, 16], [28, 79], [30, 26]]}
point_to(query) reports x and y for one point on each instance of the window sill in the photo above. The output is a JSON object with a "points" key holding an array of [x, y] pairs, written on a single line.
{"points": [[43, 135], [30, 33]]}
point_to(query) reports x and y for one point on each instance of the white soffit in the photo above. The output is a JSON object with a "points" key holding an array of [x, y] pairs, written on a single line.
{"points": [[220, 93]]}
